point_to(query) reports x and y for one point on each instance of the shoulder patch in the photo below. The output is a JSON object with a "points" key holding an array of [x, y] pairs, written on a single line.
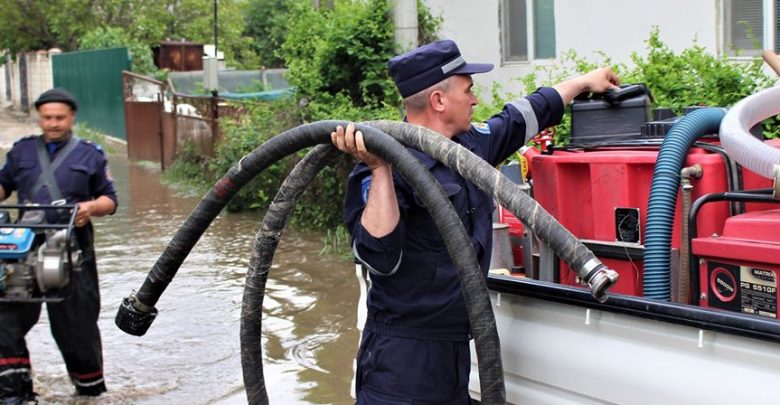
{"points": [[365, 185], [92, 144], [25, 138], [481, 127]]}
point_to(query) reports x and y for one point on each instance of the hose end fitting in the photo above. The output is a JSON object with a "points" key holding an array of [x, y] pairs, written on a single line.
{"points": [[134, 317], [600, 281]]}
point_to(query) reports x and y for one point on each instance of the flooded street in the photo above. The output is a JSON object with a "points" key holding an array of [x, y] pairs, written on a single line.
{"points": [[191, 354]]}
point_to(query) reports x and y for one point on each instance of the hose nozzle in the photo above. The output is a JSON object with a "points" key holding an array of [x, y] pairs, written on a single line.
{"points": [[600, 281], [134, 317]]}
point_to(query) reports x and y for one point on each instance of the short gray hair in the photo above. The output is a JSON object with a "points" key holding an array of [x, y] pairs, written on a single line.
{"points": [[419, 101]]}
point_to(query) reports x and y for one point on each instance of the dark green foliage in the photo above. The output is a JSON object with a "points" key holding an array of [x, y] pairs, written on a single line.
{"points": [[695, 76], [115, 37], [29, 25], [676, 79], [266, 24], [337, 59]]}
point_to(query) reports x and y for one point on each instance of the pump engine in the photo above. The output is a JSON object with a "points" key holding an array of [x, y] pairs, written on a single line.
{"points": [[36, 258]]}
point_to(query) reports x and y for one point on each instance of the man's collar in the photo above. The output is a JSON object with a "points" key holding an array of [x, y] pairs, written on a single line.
{"points": [[61, 141]]}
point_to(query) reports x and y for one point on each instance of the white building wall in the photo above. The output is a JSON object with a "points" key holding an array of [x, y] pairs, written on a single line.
{"points": [[615, 27]]}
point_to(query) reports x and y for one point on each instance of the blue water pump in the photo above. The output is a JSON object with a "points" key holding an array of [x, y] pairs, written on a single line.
{"points": [[36, 258]]}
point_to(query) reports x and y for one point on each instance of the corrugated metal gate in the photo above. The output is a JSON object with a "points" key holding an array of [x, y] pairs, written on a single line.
{"points": [[95, 78]]}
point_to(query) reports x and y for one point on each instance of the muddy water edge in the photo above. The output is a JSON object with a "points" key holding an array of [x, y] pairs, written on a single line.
{"points": [[191, 354]]}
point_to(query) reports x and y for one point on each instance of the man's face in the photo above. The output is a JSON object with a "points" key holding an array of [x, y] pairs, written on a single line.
{"points": [[55, 120], [459, 103]]}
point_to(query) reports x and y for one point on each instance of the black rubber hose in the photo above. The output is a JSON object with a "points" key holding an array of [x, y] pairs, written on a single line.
{"points": [[137, 311], [266, 241], [491, 181]]}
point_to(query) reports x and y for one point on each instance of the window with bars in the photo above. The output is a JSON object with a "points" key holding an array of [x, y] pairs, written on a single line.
{"points": [[751, 25], [527, 28]]}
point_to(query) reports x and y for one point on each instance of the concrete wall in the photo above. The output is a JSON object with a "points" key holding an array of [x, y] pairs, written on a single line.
{"points": [[3, 98], [39, 73], [16, 92], [39, 77], [615, 27]]}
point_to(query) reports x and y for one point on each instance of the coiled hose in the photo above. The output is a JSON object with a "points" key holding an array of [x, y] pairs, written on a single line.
{"points": [[492, 182], [137, 311], [663, 197], [266, 241]]}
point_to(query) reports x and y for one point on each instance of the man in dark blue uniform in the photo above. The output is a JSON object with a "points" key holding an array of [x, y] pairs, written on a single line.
{"points": [[414, 347], [78, 174]]}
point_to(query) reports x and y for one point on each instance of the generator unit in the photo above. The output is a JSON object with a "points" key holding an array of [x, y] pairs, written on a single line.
{"points": [[36, 258], [598, 186]]}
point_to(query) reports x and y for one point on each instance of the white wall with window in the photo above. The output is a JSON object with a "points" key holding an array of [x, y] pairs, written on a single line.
{"points": [[750, 26], [517, 35]]}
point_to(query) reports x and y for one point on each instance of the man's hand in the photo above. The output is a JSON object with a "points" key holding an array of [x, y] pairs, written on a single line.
{"points": [[597, 81], [84, 213], [95, 208], [351, 142]]}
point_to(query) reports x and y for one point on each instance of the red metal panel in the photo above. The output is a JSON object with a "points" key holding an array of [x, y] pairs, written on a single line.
{"points": [[143, 130], [583, 189], [754, 237], [516, 233]]}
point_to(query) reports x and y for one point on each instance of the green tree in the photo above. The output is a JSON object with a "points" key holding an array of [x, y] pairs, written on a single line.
{"points": [[114, 37], [266, 24], [34, 24], [337, 57], [30, 24]]}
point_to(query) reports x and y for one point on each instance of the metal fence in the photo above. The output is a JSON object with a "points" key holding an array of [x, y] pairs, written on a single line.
{"points": [[95, 78], [161, 121]]}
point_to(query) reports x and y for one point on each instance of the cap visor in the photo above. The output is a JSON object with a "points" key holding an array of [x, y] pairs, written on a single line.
{"points": [[472, 68]]}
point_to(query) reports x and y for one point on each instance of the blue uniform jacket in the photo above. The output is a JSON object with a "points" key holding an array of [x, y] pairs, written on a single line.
{"points": [[83, 175], [415, 288]]}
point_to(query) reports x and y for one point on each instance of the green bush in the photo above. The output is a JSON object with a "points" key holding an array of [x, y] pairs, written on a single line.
{"points": [[186, 173], [677, 80], [259, 122], [337, 60], [695, 76]]}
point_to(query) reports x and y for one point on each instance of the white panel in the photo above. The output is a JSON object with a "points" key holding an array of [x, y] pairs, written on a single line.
{"points": [[615, 27], [558, 354]]}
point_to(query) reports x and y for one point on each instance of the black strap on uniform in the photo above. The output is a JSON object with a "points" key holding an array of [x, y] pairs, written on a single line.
{"points": [[48, 167]]}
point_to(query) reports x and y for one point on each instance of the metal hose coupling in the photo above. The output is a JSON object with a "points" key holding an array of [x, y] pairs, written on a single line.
{"points": [[135, 317], [600, 279]]}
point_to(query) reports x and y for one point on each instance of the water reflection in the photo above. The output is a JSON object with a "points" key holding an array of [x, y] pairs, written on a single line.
{"points": [[191, 353]]}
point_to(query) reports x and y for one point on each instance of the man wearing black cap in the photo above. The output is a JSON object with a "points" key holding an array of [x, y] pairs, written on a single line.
{"points": [[414, 347], [44, 169]]}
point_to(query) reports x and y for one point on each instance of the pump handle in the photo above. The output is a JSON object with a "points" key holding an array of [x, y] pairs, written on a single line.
{"points": [[614, 96]]}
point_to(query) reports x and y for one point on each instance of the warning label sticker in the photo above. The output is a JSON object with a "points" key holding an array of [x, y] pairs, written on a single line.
{"points": [[758, 291]]}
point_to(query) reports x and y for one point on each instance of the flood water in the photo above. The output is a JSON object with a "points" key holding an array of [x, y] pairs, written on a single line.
{"points": [[191, 354]]}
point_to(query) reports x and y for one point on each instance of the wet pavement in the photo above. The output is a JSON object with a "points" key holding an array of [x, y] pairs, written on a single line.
{"points": [[191, 354]]}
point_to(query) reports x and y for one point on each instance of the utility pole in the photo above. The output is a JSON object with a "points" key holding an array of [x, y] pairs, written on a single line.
{"points": [[405, 21], [215, 28]]}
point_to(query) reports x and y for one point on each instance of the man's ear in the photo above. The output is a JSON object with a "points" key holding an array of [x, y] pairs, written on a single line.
{"points": [[436, 101]]}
